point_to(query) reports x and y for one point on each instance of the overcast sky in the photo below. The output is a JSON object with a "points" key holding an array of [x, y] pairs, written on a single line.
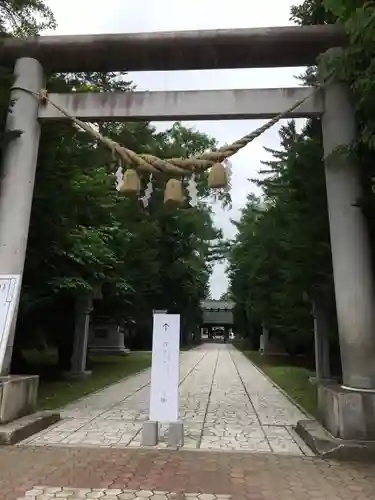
{"points": [[115, 16]]}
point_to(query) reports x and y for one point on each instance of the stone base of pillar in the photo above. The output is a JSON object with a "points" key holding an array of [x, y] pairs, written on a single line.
{"points": [[18, 396], [325, 381], [347, 414], [150, 433], [77, 375], [109, 350], [176, 434]]}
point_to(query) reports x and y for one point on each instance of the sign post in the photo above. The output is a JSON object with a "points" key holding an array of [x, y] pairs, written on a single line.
{"points": [[10, 287], [165, 369], [165, 381]]}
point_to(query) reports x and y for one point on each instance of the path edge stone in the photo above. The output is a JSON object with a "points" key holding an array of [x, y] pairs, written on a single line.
{"points": [[24, 427], [327, 446]]}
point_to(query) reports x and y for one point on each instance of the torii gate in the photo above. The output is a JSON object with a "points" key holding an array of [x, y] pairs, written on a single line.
{"points": [[354, 416]]}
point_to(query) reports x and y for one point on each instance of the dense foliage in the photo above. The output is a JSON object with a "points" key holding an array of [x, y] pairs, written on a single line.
{"points": [[84, 235], [20, 18], [281, 260]]}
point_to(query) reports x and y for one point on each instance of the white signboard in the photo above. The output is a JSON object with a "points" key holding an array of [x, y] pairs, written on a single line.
{"points": [[9, 290], [165, 369]]}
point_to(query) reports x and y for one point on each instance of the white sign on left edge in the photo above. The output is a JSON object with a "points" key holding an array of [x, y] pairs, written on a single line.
{"points": [[10, 285], [165, 369]]}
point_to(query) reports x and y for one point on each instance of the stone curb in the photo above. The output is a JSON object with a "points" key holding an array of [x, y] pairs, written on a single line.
{"points": [[328, 447], [24, 427]]}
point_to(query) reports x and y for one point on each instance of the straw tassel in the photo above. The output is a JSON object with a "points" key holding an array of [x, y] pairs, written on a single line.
{"points": [[131, 185], [217, 177], [173, 194]]}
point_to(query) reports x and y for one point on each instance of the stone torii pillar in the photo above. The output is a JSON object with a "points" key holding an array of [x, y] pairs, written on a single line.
{"points": [[17, 186], [18, 394], [348, 411]]}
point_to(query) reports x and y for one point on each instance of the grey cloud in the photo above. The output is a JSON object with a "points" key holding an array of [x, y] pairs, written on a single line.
{"points": [[160, 15]]}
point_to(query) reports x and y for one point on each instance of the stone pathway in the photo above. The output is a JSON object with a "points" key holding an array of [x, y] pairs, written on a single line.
{"points": [[226, 403]]}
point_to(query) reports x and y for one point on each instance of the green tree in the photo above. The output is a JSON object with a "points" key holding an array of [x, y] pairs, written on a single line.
{"points": [[18, 18], [84, 233], [282, 253], [23, 18]]}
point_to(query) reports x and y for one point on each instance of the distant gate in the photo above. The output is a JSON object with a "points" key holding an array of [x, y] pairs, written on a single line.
{"points": [[217, 312]]}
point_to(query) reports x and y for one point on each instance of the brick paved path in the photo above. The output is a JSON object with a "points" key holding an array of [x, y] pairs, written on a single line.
{"points": [[225, 402], [222, 475]]}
